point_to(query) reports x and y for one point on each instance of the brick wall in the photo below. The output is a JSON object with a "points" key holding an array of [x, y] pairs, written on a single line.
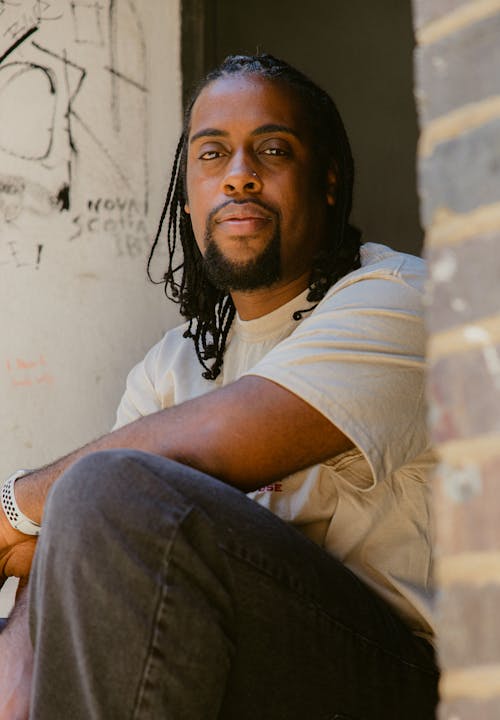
{"points": [[457, 64]]}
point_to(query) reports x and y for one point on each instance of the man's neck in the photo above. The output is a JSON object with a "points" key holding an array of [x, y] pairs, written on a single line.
{"points": [[253, 304]]}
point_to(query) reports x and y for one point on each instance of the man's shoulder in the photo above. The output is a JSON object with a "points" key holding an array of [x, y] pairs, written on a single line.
{"points": [[385, 256], [175, 334], [377, 258], [383, 263]]}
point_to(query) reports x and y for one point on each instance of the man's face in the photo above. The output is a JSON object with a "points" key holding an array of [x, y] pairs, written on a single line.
{"points": [[256, 198]]}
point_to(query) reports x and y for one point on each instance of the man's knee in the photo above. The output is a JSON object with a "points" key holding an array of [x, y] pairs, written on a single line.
{"points": [[101, 484]]}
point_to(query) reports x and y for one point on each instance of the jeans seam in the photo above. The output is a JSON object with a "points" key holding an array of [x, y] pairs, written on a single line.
{"points": [[311, 602], [162, 592]]}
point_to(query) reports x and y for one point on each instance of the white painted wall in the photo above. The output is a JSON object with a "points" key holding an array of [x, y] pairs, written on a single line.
{"points": [[89, 117]]}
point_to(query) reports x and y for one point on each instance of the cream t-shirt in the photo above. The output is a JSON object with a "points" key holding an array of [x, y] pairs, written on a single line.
{"points": [[358, 358]]}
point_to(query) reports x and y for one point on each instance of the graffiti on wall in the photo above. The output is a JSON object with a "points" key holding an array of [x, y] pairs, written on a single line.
{"points": [[74, 126]]}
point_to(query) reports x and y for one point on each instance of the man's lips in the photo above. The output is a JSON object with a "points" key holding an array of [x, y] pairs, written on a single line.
{"points": [[243, 213]]}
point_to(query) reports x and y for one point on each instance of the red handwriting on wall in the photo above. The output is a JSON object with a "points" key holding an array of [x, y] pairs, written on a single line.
{"points": [[31, 372]]}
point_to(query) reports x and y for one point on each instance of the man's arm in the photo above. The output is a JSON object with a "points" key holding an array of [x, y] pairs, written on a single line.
{"points": [[247, 434]]}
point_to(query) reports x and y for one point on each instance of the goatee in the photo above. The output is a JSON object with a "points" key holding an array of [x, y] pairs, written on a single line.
{"points": [[260, 272]]}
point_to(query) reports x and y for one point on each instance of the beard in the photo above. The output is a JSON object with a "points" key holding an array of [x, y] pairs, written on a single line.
{"points": [[260, 272]]}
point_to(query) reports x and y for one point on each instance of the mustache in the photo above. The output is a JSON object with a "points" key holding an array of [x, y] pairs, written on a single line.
{"points": [[269, 208]]}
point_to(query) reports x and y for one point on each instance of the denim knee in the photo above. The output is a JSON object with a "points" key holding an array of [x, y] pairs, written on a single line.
{"points": [[112, 487], [97, 483]]}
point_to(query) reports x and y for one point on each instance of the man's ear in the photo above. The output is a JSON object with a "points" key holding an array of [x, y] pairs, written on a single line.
{"points": [[331, 186]]}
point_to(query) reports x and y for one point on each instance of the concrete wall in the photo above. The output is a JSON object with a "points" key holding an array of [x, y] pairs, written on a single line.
{"points": [[361, 52], [458, 70], [89, 118]]}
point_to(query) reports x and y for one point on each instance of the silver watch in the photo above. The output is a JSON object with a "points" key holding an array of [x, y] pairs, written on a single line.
{"points": [[17, 519]]}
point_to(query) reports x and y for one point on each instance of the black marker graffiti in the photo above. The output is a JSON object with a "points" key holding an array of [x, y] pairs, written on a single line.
{"points": [[128, 71], [18, 42], [43, 136], [50, 132], [19, 140], [87, 23], [119, 218], [38, 12]]}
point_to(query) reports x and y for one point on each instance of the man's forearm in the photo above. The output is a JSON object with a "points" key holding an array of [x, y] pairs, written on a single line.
{"points": [[159, 433], [163, 433]]}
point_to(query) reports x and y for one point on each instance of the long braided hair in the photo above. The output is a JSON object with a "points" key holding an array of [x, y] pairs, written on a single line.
{"points": [[209, 310]]}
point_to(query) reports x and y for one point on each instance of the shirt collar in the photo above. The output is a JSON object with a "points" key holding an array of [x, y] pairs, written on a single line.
{"points": [[272, 322]]}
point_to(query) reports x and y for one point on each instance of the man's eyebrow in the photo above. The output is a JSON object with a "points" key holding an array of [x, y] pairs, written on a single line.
{"points": [[261, 130], [208, 132], [272, 128]]}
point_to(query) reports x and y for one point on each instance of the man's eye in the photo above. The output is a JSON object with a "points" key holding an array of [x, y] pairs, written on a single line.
{"points": [[275, 151], [210, 155]]}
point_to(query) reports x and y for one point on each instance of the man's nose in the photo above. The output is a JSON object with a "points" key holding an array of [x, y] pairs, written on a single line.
{"points": [[241, 176]]}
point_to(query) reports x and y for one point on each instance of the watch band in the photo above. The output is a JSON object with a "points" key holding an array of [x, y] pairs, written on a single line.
{"points": [[17, 519]]}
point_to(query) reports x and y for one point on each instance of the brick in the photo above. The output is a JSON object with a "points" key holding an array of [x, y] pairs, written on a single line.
{"points": [[426, 11], [462, 174], [464, 390], [467, 626], [472, 291], [465, 709], [466, 508], [461, 68]]}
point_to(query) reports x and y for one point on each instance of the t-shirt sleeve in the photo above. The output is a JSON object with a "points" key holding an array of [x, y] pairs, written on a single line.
{"points": [[359, 360], [140, 397]]}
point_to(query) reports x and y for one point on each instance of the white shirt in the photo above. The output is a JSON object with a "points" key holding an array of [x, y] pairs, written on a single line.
{"points": [[358, 358]]}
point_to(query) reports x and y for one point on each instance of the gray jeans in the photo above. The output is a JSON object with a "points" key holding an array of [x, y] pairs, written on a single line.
{"points": [[158, 592]]}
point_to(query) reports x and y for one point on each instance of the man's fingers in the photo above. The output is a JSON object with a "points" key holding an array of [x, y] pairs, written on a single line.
{"points": [[15, 560]]}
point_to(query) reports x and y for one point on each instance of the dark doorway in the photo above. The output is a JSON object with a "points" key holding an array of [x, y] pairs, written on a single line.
{"points": [[361, 52]]}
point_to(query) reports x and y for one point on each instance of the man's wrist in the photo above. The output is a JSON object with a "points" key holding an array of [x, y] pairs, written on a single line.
{"points": [[14, 514]]}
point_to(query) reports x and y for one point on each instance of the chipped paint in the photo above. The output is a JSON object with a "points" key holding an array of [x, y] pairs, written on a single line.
{"points": [[443, 269], [461, 484], [459, 305], [476, 335]]}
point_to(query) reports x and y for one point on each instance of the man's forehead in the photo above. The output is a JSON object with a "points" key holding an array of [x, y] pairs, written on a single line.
{"points": [[247, 102]]}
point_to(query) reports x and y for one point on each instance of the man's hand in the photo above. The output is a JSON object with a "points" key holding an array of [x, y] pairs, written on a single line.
{"points": [[16, 664], [16, 552], [16, 652]]}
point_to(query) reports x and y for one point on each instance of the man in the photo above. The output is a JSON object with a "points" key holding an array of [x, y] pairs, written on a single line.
{"points": [[159, 591]]}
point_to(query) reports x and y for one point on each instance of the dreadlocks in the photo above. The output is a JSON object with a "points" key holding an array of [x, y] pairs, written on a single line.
{"points": [[209, 310]]}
